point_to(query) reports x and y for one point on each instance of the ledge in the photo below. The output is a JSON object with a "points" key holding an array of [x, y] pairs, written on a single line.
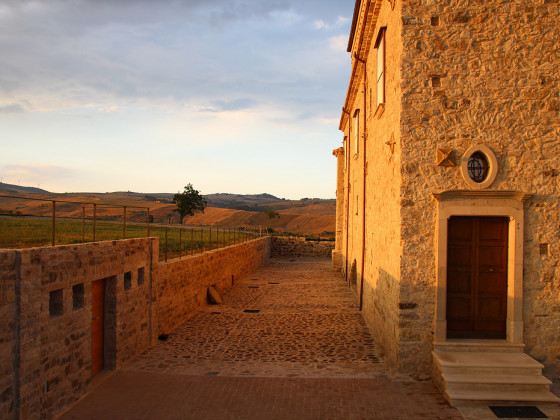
{"points": [[481, 194], [380, 110]]}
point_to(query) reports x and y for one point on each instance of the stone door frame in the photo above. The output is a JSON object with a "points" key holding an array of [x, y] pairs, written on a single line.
{"points": [[507, 204]]}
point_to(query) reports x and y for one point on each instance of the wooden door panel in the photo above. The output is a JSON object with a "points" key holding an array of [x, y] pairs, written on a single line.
{"points": [[459, 309], [460, 256], [489, 309], [491, 229], [491, 257], [461, 231], [477, 277], [490, 283], [461, 284]]}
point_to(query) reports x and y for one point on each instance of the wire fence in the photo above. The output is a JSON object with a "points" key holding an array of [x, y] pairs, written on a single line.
{"points": [[30, 222]]}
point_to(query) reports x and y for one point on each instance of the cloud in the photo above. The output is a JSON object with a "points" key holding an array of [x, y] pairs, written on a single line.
{"points": [[33, 174], [209, 54], [338, 43], [11, 109], [340, 21], [235, 105]]}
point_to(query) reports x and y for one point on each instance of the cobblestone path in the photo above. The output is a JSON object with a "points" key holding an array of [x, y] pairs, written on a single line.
{"points": [[302, 351]]}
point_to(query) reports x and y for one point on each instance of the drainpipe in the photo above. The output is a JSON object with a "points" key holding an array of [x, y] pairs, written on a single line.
{"points": [[364, 185], [347, 157]]}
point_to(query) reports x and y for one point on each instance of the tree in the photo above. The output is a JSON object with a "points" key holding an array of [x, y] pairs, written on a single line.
{"points": [[189, 202], [271, 214]]}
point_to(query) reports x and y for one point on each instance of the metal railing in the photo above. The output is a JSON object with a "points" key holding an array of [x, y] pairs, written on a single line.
{"points": [[58, 222]]}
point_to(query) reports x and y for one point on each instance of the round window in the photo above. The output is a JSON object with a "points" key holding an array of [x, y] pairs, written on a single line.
{"points": [[478, 167]]}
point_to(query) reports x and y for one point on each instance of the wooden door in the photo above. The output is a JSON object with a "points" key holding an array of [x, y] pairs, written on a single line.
{"points": [[477, 251], [97, 326]]}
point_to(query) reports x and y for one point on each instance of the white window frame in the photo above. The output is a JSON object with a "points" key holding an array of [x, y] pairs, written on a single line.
{"points": [[380, 46]]}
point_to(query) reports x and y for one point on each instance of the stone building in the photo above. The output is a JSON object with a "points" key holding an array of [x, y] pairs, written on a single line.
{"points": [[448, 194]]}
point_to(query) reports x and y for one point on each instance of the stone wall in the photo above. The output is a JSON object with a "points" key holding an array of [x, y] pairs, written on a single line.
{"points": [[9, 333], [46, 311], [375, 214], [294, 247], [51, 324], [182, 284], [481, 72], [337, 254], [458, 74]]}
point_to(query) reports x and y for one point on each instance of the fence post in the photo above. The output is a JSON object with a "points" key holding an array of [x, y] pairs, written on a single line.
{"points": [[53, 222], [165, 252], [148, 220], [202, 239], [94, 215], [124, 224], [83, 223], [180, 232], [192, 241]]}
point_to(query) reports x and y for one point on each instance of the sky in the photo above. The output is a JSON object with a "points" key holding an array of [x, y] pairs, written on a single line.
{"points": [[233, 96]]}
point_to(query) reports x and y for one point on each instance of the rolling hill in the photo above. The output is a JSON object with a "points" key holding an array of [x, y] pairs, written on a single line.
{"points": [[305, 216]]}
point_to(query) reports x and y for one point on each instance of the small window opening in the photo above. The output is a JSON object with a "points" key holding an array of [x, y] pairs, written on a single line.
{"points": [[56, 307], [356, 131], [77, 296], [478, 167], [141, 276], [380, 46], [127, 280]]}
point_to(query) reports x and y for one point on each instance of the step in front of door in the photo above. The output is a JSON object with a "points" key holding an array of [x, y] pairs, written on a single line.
{"points": [[489, 377]]}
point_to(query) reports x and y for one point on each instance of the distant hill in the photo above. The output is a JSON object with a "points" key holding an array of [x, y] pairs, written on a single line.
{"points": [[306, 216], [10, 188]]}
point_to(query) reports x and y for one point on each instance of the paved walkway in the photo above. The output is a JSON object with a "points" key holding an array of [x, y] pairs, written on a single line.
{"points": [[306, 354]]}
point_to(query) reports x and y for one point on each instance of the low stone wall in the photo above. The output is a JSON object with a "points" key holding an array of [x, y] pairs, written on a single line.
{"points": [[287, 247], [183, 283], [46, 318], [46, 311]]}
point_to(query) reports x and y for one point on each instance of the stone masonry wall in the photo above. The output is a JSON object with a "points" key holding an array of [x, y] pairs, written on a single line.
{"points": [[9, 337], [53, 364], [46, 311], [293, 247], [337, 253], [182, 284], [381, 145], [481, 72]]}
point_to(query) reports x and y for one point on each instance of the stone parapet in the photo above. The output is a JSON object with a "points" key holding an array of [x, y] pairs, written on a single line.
{"points": [[46, 303], [294, 247]]}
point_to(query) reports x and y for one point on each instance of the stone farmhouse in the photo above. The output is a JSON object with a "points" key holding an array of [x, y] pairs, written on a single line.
{"points": [[448, 211]]}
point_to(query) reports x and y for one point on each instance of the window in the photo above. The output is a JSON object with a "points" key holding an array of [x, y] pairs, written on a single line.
{"points": [[56, 306], [380, 46], [77, 296], [356, 127], [127, 280], [140, 276], [345, 142], [478, 167]]}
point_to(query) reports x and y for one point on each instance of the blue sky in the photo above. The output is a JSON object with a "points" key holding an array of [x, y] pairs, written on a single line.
{"points": [[238, 96]]}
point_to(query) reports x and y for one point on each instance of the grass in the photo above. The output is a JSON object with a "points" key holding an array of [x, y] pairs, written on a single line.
{"points": [[22, 232]]}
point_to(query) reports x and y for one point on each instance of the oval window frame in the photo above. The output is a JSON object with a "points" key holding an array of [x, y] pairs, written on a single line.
{"points": [[492, 166]]}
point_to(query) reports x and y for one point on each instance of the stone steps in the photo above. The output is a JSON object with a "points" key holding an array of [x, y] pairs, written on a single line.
{"points": [[462, 397], [477, 376]]}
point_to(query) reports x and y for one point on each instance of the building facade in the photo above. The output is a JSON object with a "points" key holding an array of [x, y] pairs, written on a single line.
{"points": [[448, 176]]}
